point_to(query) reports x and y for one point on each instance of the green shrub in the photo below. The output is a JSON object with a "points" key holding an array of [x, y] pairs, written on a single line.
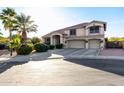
{"points": [[51, 47], [40, 47], [24, 50], [31, 45], [47, 47], [59, 46]]}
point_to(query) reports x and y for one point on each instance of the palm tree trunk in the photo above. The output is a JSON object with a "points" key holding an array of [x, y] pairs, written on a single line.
{"points": [[24, 37], [10, 37]]}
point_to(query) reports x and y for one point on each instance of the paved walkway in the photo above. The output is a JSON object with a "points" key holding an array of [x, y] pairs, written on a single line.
{"points": [[63, 72]]}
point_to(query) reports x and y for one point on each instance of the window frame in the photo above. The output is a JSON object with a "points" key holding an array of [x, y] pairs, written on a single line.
{"points": [[72, 32], [95, 29]]}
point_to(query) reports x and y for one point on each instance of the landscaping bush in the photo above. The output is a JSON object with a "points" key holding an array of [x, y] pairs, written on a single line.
{"points": [[2, 46], [39, 47], [114, 44], [51, 47], [24, 50], [47, 47], [35, 40], [59, 46]]}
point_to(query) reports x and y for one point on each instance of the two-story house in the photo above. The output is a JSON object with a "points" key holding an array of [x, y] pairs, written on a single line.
{"points": [[84, 35]]}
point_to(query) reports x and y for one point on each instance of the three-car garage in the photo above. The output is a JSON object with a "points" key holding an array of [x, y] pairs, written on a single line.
{"points": [[92, 44]]}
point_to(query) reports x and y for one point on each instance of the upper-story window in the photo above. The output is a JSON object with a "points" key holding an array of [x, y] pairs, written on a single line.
{"points": [[72, 31], [94, 29]]}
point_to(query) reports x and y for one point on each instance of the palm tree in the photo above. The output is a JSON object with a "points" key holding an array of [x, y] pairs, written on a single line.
{"points": [[8, 19], [25, 25], [1, 33]]}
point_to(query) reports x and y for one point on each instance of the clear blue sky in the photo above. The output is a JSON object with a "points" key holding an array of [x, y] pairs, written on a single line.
{"points": [[49, 19]]}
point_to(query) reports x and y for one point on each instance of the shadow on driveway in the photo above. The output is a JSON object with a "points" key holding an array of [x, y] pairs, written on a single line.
{"points": [[112, 66], [8, 65], [22, 59]]}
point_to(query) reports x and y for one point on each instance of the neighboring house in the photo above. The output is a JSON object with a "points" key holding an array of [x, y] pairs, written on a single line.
{"points": [[84, 35]]}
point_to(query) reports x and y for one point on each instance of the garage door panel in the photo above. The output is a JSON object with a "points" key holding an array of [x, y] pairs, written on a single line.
{"points": [[94, 43], [76, 44]]}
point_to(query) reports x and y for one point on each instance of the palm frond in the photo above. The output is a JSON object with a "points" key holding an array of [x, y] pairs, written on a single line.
{"points": [[1, 33]]}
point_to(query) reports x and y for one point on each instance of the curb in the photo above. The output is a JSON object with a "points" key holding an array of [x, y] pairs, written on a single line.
{"points": [[99, 57], [26, 59], [91, 57]]}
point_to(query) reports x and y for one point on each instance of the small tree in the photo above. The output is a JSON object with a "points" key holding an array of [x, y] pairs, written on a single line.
{"points": [[35, 40], [16, 42]]}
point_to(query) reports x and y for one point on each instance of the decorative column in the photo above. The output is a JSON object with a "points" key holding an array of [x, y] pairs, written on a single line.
{"points": [[61, 39], [51, 40], [87, 31], [87, 44], [102, 43]]}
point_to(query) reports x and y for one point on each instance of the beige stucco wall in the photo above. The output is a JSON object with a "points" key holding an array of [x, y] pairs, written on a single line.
{"points": [[80, 32], [67, 32], [85, 32]]}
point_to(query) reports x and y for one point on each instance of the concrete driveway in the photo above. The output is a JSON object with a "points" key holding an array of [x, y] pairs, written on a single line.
{"points": [[63, 72], [73, 53], [57, 53]]}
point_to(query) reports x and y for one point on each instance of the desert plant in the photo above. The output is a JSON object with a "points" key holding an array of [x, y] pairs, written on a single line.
{"points": [[24, 50], [40, 47]]}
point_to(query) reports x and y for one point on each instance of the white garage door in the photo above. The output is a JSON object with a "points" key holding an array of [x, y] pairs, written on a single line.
{"points": [[94, 43], [76, 44]]}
